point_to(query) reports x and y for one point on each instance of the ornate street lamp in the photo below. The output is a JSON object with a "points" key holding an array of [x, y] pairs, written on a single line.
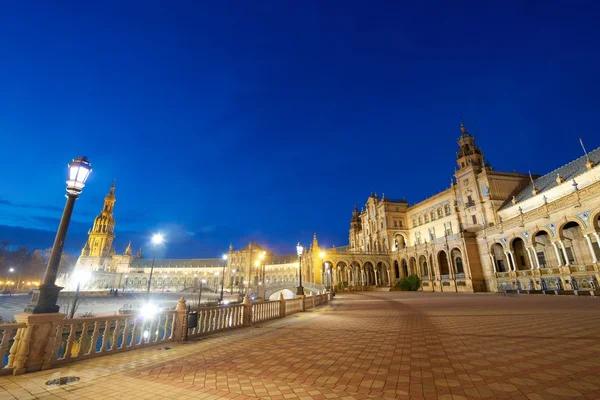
{"points": [[44, 299], [300, 250], [157, 239], [223, 278]]}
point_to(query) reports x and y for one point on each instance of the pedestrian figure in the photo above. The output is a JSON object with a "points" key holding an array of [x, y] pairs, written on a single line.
{"points": [[557, 282], [574, 285]]}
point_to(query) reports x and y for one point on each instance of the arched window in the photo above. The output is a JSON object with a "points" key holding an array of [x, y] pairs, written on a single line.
{"points": [[447, 208], [426, 218], [440, 212], [414, 222], [459, 266], [420, 221], [432, 215]]}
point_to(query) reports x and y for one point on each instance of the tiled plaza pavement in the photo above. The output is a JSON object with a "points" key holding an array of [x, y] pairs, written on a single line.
{"points": [[364, 346]]}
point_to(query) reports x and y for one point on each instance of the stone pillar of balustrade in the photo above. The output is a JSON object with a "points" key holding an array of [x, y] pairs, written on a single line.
{"points": [[281, 305], [247, 310], [180, 321], [301, 297], [35, 347]]}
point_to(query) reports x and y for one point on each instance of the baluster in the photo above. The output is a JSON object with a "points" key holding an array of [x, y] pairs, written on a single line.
{"points": [[172, 326], [164, 328], [150, 331], [134, 331], [82, 340], [105, 336], [223, 318], [115, 336], [15, 347], [126, 331], [219, 313], [154, 337], [94, 338], [4, 344], [70, 341]]}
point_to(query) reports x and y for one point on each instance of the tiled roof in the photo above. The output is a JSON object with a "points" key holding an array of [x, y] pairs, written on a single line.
{"points": [[567, 172], [177, 262]]}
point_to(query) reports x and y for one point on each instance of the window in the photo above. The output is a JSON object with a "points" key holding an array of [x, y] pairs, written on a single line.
{"points": [[432, 215], [426, 218], [417, 238], [474, 219], [420, 221], [395, 224], [447, 209], [448, 229], [440, 212], [414, 223], [400, 223], [381, 224], [466, 182]]}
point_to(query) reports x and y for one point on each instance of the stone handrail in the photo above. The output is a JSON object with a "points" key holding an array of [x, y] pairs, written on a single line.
{"points": [[293, 306], [266, 310], [43, 341], [212, 319], [83, 338]]}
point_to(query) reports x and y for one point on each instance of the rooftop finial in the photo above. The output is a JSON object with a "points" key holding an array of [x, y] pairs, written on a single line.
{"points": [[534, 191], [463, 128], [589, 164]]}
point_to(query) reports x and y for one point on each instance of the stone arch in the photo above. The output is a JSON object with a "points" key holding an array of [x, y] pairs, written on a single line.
{"points": [[457, 260], [368, 273], [383, 273], [413, 266], [423, 265], [574, 246], [354, 273], [521, 256], [443, 264], [400, 241], [404, 267], [499, 255]]}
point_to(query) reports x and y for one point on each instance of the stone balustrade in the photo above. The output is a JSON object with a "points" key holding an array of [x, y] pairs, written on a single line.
{"points": [[42, 341]]}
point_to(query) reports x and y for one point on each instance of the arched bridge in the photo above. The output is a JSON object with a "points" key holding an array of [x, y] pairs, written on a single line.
{"points": [[312, 288]]}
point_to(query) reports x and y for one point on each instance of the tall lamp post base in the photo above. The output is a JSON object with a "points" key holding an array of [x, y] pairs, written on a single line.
{"points": [[300, 291], [44, 300]]}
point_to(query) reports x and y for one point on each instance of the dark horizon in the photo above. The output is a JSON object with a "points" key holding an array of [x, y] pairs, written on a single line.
{"points": [[226, 124]]}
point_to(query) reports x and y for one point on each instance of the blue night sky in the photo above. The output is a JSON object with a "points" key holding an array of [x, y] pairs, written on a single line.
{"points": [[266, 121]]}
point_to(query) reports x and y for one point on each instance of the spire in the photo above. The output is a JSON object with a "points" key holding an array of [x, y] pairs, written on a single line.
{"points": [[128, 251], [463, 128], [589, 164]]}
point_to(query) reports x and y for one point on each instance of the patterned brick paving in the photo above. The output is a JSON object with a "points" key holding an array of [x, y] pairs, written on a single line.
{"points": [[364, 346]]}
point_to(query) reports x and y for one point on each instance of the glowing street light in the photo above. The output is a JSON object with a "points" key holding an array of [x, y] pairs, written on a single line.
{"points": [[300, 250], [44, 299], [157, 240], [81, 277]]}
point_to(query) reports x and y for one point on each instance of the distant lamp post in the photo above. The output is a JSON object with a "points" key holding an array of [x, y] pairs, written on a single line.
{"points": [[223, 278], [232, 281], [200, 292], [157, 240], [262, 273], [44, 299], [300, 250], [81, 277]]}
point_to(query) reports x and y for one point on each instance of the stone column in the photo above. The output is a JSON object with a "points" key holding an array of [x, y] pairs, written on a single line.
{"points": [[508, 259], [389, 277], [589, 242], [36, 345], [281, 305], [535, 257], [557, 254], [180, 320], [376, 273], [493, 263], [564, 251], [532, 265], [248, 310]]}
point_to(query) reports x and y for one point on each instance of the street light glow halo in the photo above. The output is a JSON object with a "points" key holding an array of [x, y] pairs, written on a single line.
{"points": [[157, 239]]}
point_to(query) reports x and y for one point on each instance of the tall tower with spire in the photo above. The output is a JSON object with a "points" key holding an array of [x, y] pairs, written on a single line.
{"points": [[101, 236], [469, 154]]}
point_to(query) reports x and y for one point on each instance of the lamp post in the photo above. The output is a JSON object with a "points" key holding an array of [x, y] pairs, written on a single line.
{"points": [[232, 281], [323, 272], [200, 292], [300, 250], [45, 297], [81, 277], [223, 278], [262, 278], [327, 277], [157, 239]]}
